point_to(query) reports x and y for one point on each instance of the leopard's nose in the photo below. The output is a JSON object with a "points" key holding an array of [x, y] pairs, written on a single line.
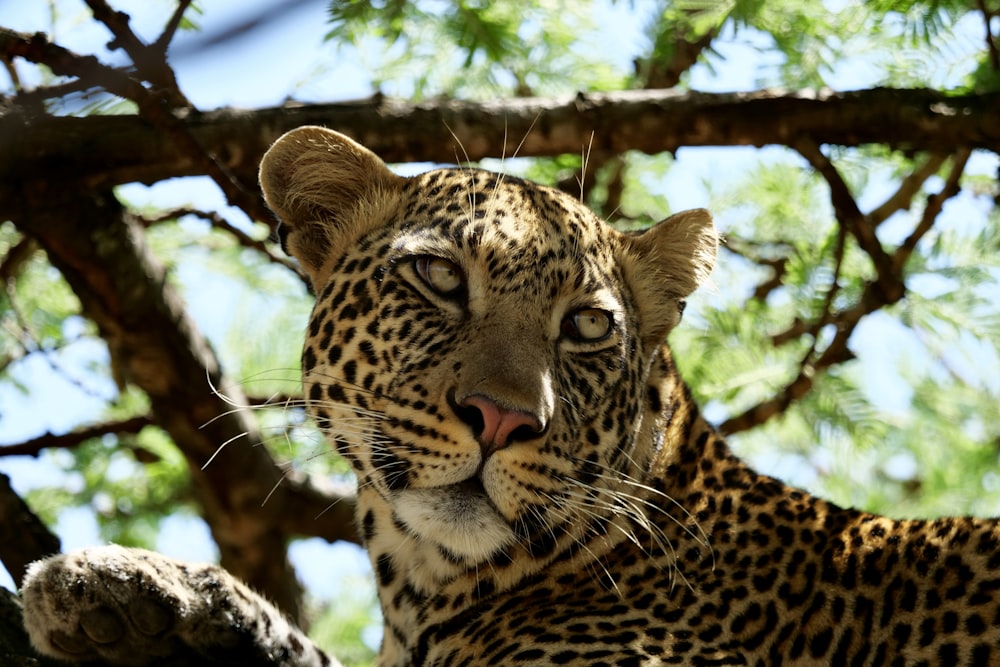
{"points": [[495, 426]]}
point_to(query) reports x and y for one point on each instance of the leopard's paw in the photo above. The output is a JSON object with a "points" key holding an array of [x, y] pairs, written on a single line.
{"points": [[133, 607]]}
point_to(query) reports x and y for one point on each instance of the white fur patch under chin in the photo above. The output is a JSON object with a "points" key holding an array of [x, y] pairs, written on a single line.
{"points": [[462, 521]]}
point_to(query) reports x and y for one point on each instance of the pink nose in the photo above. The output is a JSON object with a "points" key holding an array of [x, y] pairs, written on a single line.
{"points": [[499, 423]]}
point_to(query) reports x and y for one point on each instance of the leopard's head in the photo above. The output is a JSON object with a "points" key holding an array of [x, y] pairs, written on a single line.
{"points": [[480, 344]]}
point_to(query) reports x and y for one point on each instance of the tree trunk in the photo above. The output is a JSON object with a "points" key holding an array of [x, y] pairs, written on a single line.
{"points": [[101, 252]]}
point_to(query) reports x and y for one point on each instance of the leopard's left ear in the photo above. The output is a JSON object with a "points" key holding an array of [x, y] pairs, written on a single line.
{"points": [[664, 264]]}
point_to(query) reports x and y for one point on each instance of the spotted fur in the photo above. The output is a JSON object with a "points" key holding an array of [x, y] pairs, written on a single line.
{"points": [[535, 483]]}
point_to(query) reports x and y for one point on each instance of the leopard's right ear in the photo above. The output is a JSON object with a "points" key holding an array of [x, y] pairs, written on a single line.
{"points": [[327, 189]]}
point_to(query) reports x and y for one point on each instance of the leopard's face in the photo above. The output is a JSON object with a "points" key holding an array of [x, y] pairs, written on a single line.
{"points": [[479, 344], [482, 343]]}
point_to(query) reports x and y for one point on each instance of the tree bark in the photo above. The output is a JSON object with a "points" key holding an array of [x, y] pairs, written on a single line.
{"points": [[100, 250], [15, 649], [102, 151], [23, 537]]}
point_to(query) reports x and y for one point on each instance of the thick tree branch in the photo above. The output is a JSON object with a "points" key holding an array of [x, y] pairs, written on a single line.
{"points": [[100, 250], [162, 106], [23, 536], [104, 151]]}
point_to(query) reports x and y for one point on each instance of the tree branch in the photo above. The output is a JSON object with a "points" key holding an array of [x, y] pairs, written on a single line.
{"points": [[104, 151], [220, 223], [684, 48], [991, 46], [835, 353], [850, 216], [873, 298], [934, 205], [778, 265], [160, 107], [162, 42], [316, 508], [101, 251], [908, 189], [23, 536], [150, 63], [75, 438], [16, 256]]}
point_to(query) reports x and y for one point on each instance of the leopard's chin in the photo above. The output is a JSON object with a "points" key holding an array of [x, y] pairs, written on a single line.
{"points": [[458, 517]]}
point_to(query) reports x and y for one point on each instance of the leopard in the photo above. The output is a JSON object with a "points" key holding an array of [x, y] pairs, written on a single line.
{"points": [[536, 484]]}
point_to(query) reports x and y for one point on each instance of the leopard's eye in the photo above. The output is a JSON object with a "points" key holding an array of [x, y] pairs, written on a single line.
{"points": [[587, 324], [440, 275]]}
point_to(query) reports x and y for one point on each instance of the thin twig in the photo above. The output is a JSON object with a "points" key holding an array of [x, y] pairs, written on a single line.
{"points": [[685, 49], [836, 352], [991, 45], [153, 107], [162, 42], [72, 439], [218, 222], [902, 198], [935, 203], [273, 400], [150, 63], [17, 255], [872, 299], [34, 345], [778, 265], [800, 327]]}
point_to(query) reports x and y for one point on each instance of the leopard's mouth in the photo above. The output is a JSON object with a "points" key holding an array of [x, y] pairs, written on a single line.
{"points": [[461, 517], [466, 495], [472, 486]]}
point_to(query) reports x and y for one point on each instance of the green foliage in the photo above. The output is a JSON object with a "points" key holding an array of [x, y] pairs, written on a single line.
{"points": [[811, 44], [475, 48], [503, 47], [341, 625], [246, 284], [846, 438], [131, 483], [38, 310]]}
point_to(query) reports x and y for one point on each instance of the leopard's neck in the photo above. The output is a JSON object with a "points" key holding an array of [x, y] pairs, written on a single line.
{"points": [[416, 583]]}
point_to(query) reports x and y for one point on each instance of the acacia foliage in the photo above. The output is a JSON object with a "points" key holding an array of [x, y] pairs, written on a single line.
{"points": [[851, 343]]}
